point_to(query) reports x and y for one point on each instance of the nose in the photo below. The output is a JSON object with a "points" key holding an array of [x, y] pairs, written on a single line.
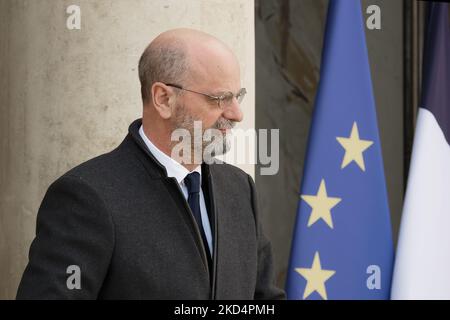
{"points": [[233, 112]]}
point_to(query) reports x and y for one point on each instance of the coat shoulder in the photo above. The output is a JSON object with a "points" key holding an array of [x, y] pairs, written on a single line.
{"points": [[114, 168]]}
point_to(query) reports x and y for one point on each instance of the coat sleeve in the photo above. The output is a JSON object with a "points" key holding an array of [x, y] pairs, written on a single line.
{"points": [[265, 283], [74, 229]]}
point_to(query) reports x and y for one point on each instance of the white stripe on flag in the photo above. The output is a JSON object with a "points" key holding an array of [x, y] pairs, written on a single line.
{"points": [[422, 267]]}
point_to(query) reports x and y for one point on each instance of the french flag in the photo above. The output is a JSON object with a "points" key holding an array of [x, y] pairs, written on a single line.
{"points": [[422, 267]]}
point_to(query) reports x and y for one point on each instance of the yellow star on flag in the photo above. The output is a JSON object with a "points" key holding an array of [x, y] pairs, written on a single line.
{"points": [[315, 278], [321, 205], [354, 148]]}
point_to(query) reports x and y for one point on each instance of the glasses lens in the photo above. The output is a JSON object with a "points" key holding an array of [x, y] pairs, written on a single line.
{"points": [[227, 99], [241, 94]]}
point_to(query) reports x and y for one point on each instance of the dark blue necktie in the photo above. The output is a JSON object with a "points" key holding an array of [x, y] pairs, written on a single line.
{"points": [[192, 182]]}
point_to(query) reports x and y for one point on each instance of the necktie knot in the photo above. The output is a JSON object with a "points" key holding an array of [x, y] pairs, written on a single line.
{"points": [[192, 182]]}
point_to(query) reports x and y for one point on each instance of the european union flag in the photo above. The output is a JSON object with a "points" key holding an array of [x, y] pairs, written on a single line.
{"points": [[342, 246]]}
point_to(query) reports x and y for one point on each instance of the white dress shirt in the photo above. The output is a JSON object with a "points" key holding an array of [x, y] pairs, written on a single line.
{"points": [[179, 172]]}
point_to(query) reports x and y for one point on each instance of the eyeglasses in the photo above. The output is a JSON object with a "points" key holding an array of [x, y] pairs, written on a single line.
{"points": [[225, 100]]}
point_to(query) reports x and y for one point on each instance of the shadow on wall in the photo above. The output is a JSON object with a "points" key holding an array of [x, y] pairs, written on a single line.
{"points": [[289, 38]]}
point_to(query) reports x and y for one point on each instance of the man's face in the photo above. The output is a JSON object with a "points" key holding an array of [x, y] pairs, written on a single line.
{"points": [[213, 73]]}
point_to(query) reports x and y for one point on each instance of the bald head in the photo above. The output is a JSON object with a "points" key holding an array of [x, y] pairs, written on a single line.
{"points": [[184, 56]]}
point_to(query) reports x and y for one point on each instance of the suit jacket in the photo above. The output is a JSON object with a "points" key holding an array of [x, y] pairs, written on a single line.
{"points": [[129, 229]]}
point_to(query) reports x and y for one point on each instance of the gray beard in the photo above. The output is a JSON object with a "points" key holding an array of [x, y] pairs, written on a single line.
{"points": [[217, 145]]}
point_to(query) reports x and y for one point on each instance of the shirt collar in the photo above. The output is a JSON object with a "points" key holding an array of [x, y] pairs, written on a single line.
{"points": [[173, 168]]}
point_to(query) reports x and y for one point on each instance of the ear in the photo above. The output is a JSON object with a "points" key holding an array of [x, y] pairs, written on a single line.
{"points": [[163, 99]]}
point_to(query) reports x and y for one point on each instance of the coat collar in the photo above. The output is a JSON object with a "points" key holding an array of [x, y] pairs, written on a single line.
{"points": [[158, 170], [173, 168]]}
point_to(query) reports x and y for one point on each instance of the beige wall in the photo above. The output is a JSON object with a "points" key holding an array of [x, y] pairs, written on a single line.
{"points": [[68, 95]]}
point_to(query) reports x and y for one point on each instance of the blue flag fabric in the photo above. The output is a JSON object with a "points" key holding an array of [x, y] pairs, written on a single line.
{"points": [[342, 244], [436, 66]]}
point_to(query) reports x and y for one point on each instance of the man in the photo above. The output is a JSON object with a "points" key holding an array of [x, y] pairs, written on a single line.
{"points": [[137, 224]]}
